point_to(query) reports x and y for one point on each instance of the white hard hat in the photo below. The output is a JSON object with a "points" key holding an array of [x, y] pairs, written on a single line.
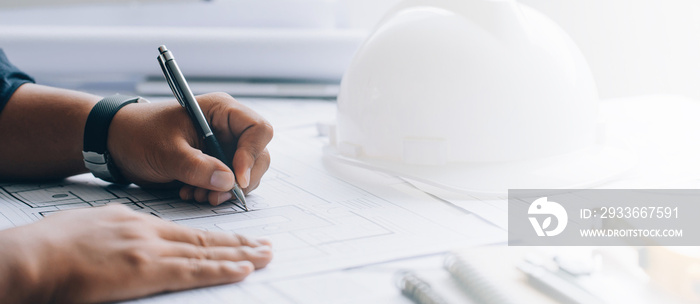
{"points": [[475, 95]]}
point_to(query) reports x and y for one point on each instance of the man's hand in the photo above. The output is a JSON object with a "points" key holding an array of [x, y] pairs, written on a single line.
{"points": [[151, 144], [113, 253], [156, 143]]}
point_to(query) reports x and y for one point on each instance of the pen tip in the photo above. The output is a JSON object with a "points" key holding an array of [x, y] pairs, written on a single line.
{"points": [[240, 196]]}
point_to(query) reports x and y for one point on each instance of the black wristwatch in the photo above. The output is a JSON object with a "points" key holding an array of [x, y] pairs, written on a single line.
{"points": [[95, 154]]}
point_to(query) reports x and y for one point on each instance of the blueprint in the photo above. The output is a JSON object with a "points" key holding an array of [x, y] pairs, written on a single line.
{"points": [[319, 215], [25, 203]]}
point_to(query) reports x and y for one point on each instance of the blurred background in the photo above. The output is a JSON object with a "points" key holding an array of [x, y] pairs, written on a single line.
{"points": [[635, 47]]}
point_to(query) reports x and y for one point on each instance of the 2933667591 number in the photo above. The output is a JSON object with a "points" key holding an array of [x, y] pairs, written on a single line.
{"points": [[639, 212]]}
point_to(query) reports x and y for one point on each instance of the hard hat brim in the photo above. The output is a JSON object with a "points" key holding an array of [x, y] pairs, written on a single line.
{"points": [[584, 168]]}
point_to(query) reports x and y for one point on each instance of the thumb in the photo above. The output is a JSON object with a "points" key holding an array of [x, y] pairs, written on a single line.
{"points": [[191, 166]]}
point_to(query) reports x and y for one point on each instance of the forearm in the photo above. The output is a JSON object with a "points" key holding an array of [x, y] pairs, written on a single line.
{"points": [[42, 132]]}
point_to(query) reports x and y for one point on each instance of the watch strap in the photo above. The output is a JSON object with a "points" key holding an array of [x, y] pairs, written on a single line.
{"points": [[95, 154]]}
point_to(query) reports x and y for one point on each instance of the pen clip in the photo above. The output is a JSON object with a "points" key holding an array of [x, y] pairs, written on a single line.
{"points": [[171, 82]]}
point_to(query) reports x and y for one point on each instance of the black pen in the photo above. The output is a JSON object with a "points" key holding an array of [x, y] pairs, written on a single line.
{"points": [[184, 96]]}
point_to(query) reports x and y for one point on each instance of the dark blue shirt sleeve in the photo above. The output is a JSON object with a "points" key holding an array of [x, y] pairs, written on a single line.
{"points": [[10, 79]]}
